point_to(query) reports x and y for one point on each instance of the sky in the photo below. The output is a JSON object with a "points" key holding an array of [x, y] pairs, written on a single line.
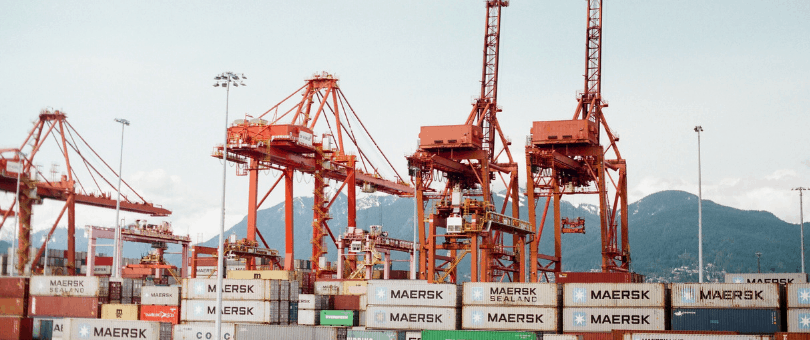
{"points": [[737, 68]]}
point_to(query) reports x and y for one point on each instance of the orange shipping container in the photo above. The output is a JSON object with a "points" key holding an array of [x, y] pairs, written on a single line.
{"points": [[160, 313], [12, 307], [63, 306], [16, 328]]}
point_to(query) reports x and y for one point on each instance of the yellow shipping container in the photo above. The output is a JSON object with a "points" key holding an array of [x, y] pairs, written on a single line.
{"points": [[286, 275], [354, 287], [120, 312]]}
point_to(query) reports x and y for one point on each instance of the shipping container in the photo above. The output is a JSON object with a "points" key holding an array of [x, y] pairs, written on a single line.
{"points": [[594, 319], [203, 331], [798, 295], [13, 307], [78, 286], [158, 295], [206, 289], [510, 294], [347, 302], [745, 321], [412, 318], [13, 287], [353, 287], [55, 329], [170, 314], [560, 337], [283, 312], [166, 330], [232, 310], [273, 290], [346, 318], [798, 320], [725, 295], [598, 277], [353, 334], [677, 336], [614, 295], [476, 335], [619, 334], [312, 301], [409, 293], [120, 312], [283, 290], [309, 316], [328, 287], [413, 335], [780, 278], [291, 332], [16, 328], [593, 335], [68, 307], [791, 336], [98, 329], [292, 315], [261, 274], [515, 318], [295, 289]]}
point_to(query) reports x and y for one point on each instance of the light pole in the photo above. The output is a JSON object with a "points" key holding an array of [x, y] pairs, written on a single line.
{"points": [[758, 255], [225, 80], [116, 274], [801, 220], [699, 129]]}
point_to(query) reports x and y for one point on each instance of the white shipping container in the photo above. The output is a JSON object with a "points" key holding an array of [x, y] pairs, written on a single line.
{"points": [[510, 294], [232, 311], [309, 317], [588, 319], [160, 295], [798, 295], [202, 331], [798, 320], [614, 294], [411, 318], [99, 329], [413, 335], [725, 295], [328, 287], [312, 301], [512, 318], [781, 278], [675, 336], [206, 289], [79, 286], [409, 293]]}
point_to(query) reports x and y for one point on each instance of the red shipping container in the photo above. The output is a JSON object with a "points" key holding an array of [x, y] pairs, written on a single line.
{"points": [[598, 277], [346, 302], [160, 313], [12, 307], [13, 287], [63, 306], [791, 336], [12, 328]]}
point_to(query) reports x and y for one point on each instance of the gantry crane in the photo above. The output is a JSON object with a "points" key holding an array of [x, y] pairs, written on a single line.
{"points": [[290, 146], [34, 187], [566, 158], [469, 157], [362, 250]]}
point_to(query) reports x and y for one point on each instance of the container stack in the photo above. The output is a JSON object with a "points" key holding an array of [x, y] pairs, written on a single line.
{"points": [[798, 308], [14, 320], [161, 304], [109, 329], [309, 308], [117, 311], [64, 297], [603, 307], [412, 305], [745, 308], [509, 306], [243, 301]]}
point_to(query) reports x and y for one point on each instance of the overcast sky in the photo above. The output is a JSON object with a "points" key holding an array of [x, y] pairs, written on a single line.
{"points": [[738, 68]]}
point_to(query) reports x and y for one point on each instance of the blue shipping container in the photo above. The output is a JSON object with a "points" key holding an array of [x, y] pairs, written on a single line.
{"points": [[745, 321]]}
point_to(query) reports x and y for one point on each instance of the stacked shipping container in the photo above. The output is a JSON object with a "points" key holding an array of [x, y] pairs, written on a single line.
{"points": [[744, 308], [412, 305], [798, 307], [509, 306], [603, 307], [14, 320], [64, 296]]}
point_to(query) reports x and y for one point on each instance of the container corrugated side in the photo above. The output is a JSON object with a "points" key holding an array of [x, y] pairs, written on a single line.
{"points": [[328, 287], [798, 295], [309, 316], [261, 274], [798, 320], [16, 328], [99, 329], [476, 335], [159, 295], [413, 335], [56, 327], [346, 318], [725, 295], [312, 301], [79, 286], [13, 287], [561, 337], [745, 321], [614, 295], [291, 332], [160, 313], [69, 307], [353, 334], [355, 287], [520, 318], [595, 319], [791, 336], [680, 336], [510, 294], [412, 318], [13, 307], [120, 312], [781, 278], [232, 310], [203, 331], [206, 289], [398, 293]]}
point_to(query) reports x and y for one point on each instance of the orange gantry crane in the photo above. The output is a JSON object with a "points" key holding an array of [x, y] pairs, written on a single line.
{"points": [[566, 158], [34, 186], [463, 218], [287, 143]]}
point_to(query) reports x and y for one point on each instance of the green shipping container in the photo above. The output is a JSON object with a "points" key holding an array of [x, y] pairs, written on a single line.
{"points": [[477, 335], [374, 335], [339, 318]]}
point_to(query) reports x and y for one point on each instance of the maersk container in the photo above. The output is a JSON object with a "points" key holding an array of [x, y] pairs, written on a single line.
{"points": [[746, 321], [309, 316], [203, 331], [206, 289], [70, 307], [328, 287], [292, 332], [614, 295], [159, 295], [780, 278], [522, 318], [590, 319], [411, 318], [798, 295], [681, 336], [346, 318], [77, 286], [725, 295], [510, 294], [409, 293], [476, 335], [353, 334], [413, 335], [98, 329], [232, 311], [798, 320], [312, 301], [56, 326]]}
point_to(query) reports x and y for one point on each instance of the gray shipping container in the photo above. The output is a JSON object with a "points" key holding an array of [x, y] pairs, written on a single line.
{"points": [[79, 286], [590, 319], [312, 301], [104, 329], [203, 331], [510, 294], [292, 332], [781, 278], [412, 318], [409, 293], [674, 336], [520, 318], [232, 310], [160, 295], [798, 320], [725, 295], [353, 334], [614, 295], [745, 321], [284, 290], [798, 295], [205, 289]]}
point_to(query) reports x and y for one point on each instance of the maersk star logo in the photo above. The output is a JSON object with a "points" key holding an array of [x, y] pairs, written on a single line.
{"points": [[579, 295], [478, 294], [804, 295], [738, 279], [198, 309], [84, 330], [381, 293], [379, 316], [580, 319], [477, 317], [804, 321], [199, 287], [688, 295]]}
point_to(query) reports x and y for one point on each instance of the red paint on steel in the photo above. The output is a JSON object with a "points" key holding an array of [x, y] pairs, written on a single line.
{"points": [[13, 287], [65, 307], [594, 336], [161, 313], [13, 307], [598, 277], [346, 302], [791, 336], [12, 328]]}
